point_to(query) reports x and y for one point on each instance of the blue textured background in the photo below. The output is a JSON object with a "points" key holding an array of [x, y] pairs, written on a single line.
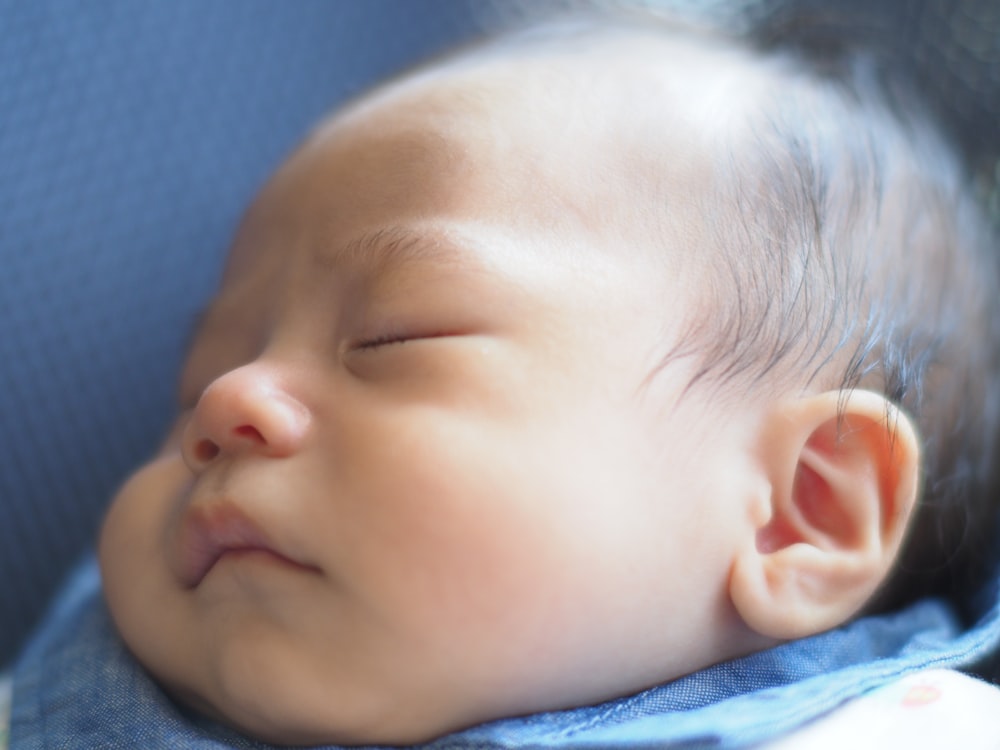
{"points": [[132, 135]]}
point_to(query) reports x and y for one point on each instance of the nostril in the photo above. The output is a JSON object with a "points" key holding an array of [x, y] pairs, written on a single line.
{"points": [[250, 432], [205, 450]]}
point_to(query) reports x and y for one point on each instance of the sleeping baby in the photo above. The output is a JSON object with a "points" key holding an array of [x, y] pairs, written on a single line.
{"points": [[560, 369]]}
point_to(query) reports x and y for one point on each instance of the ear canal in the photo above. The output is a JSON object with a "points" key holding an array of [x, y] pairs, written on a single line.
{"points": [[844, 483]]}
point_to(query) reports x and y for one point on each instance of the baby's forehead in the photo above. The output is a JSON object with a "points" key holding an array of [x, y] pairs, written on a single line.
{"points": [[615, 134], [649, 70], [607, 117], [585, 96]]}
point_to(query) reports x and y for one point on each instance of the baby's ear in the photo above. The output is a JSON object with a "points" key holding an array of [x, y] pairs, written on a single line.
{"points": [[844, 472]]}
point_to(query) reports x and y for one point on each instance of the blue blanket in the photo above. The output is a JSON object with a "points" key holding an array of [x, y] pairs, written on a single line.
{"points": [[77, 686]]}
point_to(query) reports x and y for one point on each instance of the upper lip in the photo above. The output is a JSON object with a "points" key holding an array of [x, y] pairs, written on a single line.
{"points": [[209, 532]]}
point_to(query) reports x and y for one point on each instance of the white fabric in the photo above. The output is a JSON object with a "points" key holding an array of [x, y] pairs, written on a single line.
{"points": [[933, 709]]}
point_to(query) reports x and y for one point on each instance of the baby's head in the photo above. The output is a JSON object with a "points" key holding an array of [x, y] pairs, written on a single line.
{"points": [[548, 373]]}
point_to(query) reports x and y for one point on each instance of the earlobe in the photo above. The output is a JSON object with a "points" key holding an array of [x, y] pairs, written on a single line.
{"points": [[844, 474]]}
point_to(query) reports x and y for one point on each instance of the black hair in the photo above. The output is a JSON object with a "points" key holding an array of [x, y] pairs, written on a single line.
{"points": [[927, 331], [848, 243], [860, 255]]}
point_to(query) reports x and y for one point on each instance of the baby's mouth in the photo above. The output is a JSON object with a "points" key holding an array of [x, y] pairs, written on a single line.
{"points": [[222, 530]]}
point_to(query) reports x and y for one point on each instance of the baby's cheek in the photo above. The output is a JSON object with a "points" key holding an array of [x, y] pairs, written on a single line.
{"points": [[172, 442], [150, 610], [130, 548]]}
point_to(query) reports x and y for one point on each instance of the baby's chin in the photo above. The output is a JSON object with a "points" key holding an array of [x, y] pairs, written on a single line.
{"points": [[280, 721]]}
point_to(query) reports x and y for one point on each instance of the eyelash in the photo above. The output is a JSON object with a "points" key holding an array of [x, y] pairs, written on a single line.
{"points": [[384, 340], [393, 339]]}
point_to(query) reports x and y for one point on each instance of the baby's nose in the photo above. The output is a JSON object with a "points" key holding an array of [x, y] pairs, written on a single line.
{"points": [[244, 411]]}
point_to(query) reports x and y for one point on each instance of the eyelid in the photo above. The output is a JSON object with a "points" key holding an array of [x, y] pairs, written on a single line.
{"points": [[393, 339], [385, 339]]}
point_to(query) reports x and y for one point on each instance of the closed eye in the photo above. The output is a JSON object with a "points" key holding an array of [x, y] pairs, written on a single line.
{"points": [[395, 339], [388, 339]]}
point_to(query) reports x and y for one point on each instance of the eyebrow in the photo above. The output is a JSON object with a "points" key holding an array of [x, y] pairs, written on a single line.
{"points": [[389, 247]]}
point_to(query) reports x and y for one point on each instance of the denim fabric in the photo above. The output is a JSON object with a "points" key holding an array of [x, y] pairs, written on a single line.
{"points": [[77, 686]]}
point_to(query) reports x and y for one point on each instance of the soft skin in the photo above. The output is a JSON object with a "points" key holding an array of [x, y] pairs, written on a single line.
{"points": [[422, 477]]}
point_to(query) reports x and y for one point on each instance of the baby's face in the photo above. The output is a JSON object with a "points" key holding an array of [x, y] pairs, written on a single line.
{"points": [[422, 477]]}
